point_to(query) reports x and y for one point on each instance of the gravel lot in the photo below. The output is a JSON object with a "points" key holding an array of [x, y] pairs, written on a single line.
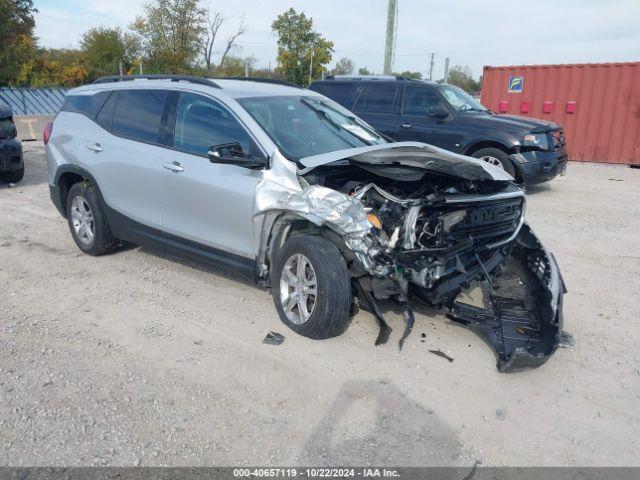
{"points": [[138, 359]]}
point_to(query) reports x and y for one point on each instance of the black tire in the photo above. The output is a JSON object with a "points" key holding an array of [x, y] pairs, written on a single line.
{"points": [[501, 156], [13, 176], [330, 315], [103, 241]]}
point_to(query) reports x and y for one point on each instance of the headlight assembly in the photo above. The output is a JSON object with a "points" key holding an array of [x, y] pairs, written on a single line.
{"points": [[536, 140]]}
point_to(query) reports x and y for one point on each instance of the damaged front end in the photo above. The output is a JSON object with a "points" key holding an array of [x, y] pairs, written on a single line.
{"points": [[413, 220]]}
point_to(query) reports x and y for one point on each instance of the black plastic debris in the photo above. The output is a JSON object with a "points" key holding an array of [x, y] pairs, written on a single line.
{"points": [[273, 338], [440, 353]]}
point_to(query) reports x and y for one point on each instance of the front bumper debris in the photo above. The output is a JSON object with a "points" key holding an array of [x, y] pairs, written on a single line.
{"points": [[522, 319]]}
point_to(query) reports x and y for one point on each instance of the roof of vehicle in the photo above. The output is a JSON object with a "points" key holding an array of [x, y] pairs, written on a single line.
{"points": [[229, 87], [374, 78]]}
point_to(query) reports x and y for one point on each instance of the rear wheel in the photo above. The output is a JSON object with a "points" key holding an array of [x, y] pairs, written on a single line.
{"points": [[13, 176], [311, 287], [87, 222], [496, 157]]}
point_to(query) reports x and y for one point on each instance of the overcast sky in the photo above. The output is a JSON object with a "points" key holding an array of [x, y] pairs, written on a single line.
{"points": [[473, 33]]}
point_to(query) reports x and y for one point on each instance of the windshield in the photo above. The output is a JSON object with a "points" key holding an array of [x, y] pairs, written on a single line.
{"points": [[306, 126], [461, 100]]}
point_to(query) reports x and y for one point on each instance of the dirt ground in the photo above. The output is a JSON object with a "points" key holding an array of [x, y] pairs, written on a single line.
{"points": [[138, 359]]}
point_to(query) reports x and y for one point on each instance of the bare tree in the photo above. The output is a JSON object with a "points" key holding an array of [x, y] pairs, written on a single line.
{"points": [[231, 41], [214, 22]]}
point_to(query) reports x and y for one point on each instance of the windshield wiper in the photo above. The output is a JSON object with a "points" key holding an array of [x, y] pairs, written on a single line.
{"points": [[323, 115]]}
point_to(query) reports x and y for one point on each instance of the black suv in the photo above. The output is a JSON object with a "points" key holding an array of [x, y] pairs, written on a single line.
{"points": [[11, 161], [532, 151]]}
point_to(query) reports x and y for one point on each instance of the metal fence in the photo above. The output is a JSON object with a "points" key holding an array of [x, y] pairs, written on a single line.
{"points": [[33, 101]]}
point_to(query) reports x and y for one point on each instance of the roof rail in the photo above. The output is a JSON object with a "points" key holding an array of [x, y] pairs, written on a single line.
{"points": [[160, 76], [260, 80], [373, 77], [364, 77]]}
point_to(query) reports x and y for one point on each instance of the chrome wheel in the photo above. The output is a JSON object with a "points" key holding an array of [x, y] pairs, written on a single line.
{"points": [[492, 161], [82, 220], [298, 289]]}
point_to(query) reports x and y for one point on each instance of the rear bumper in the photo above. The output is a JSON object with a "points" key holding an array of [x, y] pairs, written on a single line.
{"points": [[55, 192], [538, 166], [11, 155]]}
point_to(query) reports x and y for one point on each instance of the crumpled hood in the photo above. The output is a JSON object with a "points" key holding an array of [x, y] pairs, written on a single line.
{"points": [[513, 123], [413, 155]]}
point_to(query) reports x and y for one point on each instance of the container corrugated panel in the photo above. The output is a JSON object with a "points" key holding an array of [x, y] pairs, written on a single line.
{"points": [[597, 104], [33, 101]]}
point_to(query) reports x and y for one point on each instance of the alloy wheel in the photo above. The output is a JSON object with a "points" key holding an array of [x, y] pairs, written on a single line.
{"points": [[298, 289], [82, 220]]}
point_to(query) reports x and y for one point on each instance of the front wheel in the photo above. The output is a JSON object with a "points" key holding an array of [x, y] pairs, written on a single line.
{"points": [[311, 287], [496, 157]]}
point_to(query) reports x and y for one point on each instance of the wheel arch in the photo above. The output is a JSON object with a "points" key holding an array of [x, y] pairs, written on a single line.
{"points": [[280, 227], [66, 177], [479, 145]]}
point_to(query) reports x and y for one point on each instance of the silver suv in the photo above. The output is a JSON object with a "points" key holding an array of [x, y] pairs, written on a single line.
{"points": [[287, 187]]}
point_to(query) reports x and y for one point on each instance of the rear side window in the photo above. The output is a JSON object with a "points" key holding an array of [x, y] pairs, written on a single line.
{"points": [[105, 115], [379, 98], [343, 93], [138, 115], [88, 105]]}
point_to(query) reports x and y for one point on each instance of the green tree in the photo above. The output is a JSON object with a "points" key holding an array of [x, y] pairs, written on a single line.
{"points": [[463, 78], [409, 74], [103, 49], [170, 33], [301, 50], [344, 66], [53, 68], [364, 71], [17, 44]]}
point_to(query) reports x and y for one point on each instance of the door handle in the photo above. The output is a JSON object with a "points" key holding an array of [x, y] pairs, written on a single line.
{"points": [[95, 147], [174, 167], [406, 125]]}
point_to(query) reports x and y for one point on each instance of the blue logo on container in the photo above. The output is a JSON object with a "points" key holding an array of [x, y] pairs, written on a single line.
{"points": [[515, 83]]}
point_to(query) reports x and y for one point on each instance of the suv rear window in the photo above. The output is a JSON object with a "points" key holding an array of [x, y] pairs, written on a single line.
{"points": [[85, 104], [138, 115], [377, 98]]}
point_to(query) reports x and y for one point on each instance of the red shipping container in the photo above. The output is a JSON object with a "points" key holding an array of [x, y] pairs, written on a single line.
{"points": [[606, 127]]}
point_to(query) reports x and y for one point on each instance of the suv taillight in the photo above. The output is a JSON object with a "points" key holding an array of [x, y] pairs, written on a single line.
{"points": [[46, 134]]}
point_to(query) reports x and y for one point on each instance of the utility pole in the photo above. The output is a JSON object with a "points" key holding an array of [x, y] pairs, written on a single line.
{"points": [[311, 65], [433, 56], [392, 14], [246, 69], [140, 67], [120, 68], [446, 70]]}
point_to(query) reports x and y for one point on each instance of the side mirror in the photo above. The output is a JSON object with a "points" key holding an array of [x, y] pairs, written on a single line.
{"points": [[438, 111], [232, 154]]}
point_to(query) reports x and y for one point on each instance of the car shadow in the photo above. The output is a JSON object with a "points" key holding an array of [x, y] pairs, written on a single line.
{"points": [[376, 423], [536, 189]]}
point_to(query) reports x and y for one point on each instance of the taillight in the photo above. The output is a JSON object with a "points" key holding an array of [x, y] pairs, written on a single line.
{"points": [[46, 134]]}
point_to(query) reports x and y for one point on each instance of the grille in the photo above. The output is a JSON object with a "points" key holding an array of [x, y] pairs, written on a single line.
{"points": [[489, 223], [559, 140]]}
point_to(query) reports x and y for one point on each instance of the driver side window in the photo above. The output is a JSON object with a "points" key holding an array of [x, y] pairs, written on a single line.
{"points": [[419, 100], [202, 123]]}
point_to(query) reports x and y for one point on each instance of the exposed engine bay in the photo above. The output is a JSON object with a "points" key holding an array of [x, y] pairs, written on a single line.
{"points": [[419, 222]]}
